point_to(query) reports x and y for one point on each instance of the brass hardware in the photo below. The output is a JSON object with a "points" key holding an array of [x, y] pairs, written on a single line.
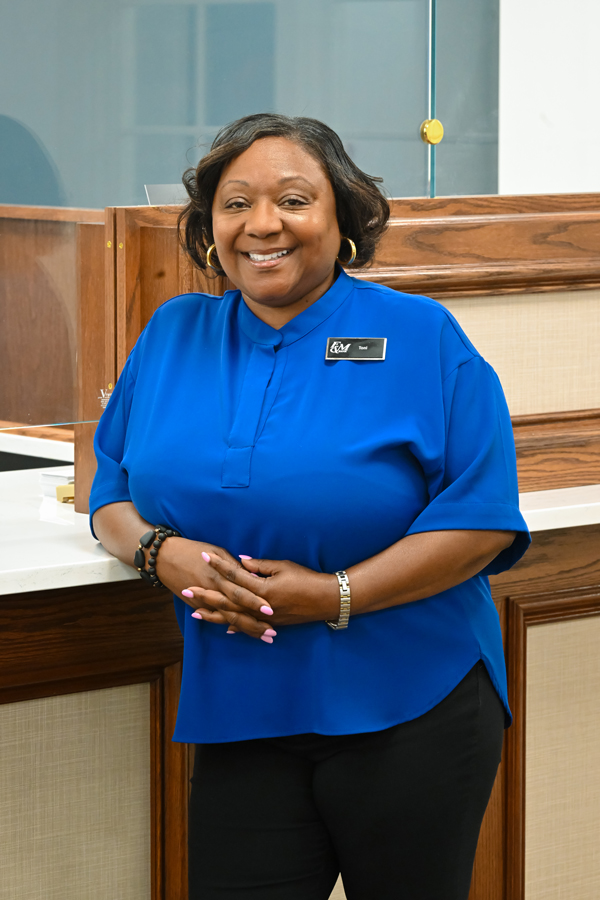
{"points": [[432, 131], [110, 387], [121, 244], [65, 493], [109, 243]]}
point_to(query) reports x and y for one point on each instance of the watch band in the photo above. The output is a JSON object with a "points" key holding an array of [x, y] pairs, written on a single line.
{"points": [[345, 600]]}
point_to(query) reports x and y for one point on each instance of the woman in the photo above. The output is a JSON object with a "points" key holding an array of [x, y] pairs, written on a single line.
{"points": [[297, 452]]}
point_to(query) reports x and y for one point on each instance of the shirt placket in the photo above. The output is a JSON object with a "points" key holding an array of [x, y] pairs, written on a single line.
{"points": [[244, 432]]}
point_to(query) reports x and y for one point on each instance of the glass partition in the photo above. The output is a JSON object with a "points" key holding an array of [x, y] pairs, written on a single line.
{"points": [[40, 323], [103, 96]]}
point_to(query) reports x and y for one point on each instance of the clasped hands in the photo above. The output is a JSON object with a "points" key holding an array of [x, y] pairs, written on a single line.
{"points": [[248, 595]]}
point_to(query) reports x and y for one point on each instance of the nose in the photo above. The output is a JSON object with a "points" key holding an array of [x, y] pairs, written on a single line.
{"points": [[264, 219]]}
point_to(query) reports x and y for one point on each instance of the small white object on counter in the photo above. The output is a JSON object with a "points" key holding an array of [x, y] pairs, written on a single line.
{"points": [[45, 544]]}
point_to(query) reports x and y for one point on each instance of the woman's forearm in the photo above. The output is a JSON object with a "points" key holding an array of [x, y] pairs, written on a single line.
{"points": [[119, 527], [422, 565]]}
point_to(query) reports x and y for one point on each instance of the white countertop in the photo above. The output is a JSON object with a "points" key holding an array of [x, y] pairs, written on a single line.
{"points": [[45, 544]]}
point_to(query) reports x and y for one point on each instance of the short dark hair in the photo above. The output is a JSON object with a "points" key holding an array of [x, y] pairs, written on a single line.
{"points": [[362, 210]]}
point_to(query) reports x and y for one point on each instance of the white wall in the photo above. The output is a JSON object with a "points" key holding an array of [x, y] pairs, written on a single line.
{"points": [[549, 140]]}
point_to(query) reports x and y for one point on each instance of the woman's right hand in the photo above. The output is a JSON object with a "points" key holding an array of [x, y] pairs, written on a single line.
{"points": [[180, 565]]}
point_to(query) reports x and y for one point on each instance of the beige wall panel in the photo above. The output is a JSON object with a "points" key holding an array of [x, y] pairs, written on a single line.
{"points": [[338, 891], [562, 799], [544, 347], [75, 797]]}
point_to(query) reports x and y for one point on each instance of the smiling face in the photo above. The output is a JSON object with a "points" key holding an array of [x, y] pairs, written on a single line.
{"points": [[275, 228]]}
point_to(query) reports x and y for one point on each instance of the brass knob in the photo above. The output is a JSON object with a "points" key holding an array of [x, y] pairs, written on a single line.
{"points": [[432, 131]]}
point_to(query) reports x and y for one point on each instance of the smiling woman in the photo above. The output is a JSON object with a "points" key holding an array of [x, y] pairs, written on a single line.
{"points": [[322, 451]]}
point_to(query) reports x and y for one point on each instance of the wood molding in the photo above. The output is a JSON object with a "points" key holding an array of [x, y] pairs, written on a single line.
{"points": [[522, 613], [557, 450], [51, 213], [466, 246]]}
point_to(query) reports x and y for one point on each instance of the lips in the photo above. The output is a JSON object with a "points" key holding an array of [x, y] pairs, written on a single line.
{"points": [[267, 260]]}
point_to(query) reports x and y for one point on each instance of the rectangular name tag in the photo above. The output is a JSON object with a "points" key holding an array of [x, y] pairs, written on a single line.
{"points": [[355, 348]]}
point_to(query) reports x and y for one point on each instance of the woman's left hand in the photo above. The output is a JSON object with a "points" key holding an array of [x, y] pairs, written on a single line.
{"points": [[295, 593]]}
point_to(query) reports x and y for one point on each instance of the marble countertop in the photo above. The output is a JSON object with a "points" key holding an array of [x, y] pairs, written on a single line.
{"points": [[45, 544]]}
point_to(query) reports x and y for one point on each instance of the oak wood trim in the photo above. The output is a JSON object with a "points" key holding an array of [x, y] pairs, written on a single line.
{"points": [[92, 681], [576, 415], [51, 213], [157, 775], [523, 612], [558, 449], [449, 281], [490, 204], [176, 792]]}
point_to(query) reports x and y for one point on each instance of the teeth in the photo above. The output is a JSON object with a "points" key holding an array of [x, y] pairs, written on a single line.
{"points": [[262, 257]]}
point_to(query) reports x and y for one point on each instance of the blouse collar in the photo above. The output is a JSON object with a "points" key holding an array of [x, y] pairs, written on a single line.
{"points": [[306, 321]]}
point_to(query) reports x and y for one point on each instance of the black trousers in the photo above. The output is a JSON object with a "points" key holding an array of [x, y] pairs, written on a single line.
{"points": [[398, 812]]}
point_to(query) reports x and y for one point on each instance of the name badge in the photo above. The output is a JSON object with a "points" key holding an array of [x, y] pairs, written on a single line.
{"points": [[355, 348]]}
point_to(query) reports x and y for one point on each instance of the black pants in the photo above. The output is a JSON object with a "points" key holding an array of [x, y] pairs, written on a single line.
{"points": [[398, 812]]}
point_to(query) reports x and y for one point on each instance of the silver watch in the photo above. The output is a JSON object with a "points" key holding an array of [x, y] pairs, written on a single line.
{"points": [[345, 598]]}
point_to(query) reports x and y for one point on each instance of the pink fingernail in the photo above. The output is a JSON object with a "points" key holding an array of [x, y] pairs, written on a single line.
{"points": [[229, 631], [187, 593], [270, 633], [266, 610], [205, 556], [253, 573], [243, 556], [267, 640], [196, 615]]}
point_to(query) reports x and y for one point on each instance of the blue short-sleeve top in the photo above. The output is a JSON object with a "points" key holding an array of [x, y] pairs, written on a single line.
{"points": [[247, 437]]}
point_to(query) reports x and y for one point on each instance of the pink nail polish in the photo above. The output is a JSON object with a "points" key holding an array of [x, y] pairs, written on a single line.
{"points": [[243, 556], [266, 610], [253, 574], [196, 615], [229, 631], [205, 556], [267, 640], [270, 633], [187, 593]]}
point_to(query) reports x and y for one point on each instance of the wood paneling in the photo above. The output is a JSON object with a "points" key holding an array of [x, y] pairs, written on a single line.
{"points": [[461, 246], [558, 450], [150, 268], [96, 373], [38, 306], [558, 578], [50, 213]]}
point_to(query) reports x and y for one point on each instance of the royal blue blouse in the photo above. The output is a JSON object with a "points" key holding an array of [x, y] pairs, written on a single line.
{"points": [[245, 436]]}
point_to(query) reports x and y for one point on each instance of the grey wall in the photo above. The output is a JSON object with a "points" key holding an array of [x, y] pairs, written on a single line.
{"points": [[115, 94]]}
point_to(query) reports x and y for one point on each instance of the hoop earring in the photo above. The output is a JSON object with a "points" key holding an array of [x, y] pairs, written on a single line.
{"points": [[353, 252], [210, 250]]}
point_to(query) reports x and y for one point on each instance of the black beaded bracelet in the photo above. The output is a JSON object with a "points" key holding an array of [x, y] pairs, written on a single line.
{"points": [[155, 538]]}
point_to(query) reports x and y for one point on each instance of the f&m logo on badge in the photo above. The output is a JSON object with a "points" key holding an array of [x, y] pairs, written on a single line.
{"points": [[338, 347]]}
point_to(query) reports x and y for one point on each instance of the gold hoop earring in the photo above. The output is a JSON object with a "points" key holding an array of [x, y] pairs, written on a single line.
{"points": [[353, 254], [210, 250]]}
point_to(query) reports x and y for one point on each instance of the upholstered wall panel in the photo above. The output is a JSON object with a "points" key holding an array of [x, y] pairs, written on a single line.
{"points": [[338, 891], [75, 797], [544, 347], [562, 800]]}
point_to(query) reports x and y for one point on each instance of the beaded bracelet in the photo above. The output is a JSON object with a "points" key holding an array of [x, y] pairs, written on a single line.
{"points": [[155, 537]]}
